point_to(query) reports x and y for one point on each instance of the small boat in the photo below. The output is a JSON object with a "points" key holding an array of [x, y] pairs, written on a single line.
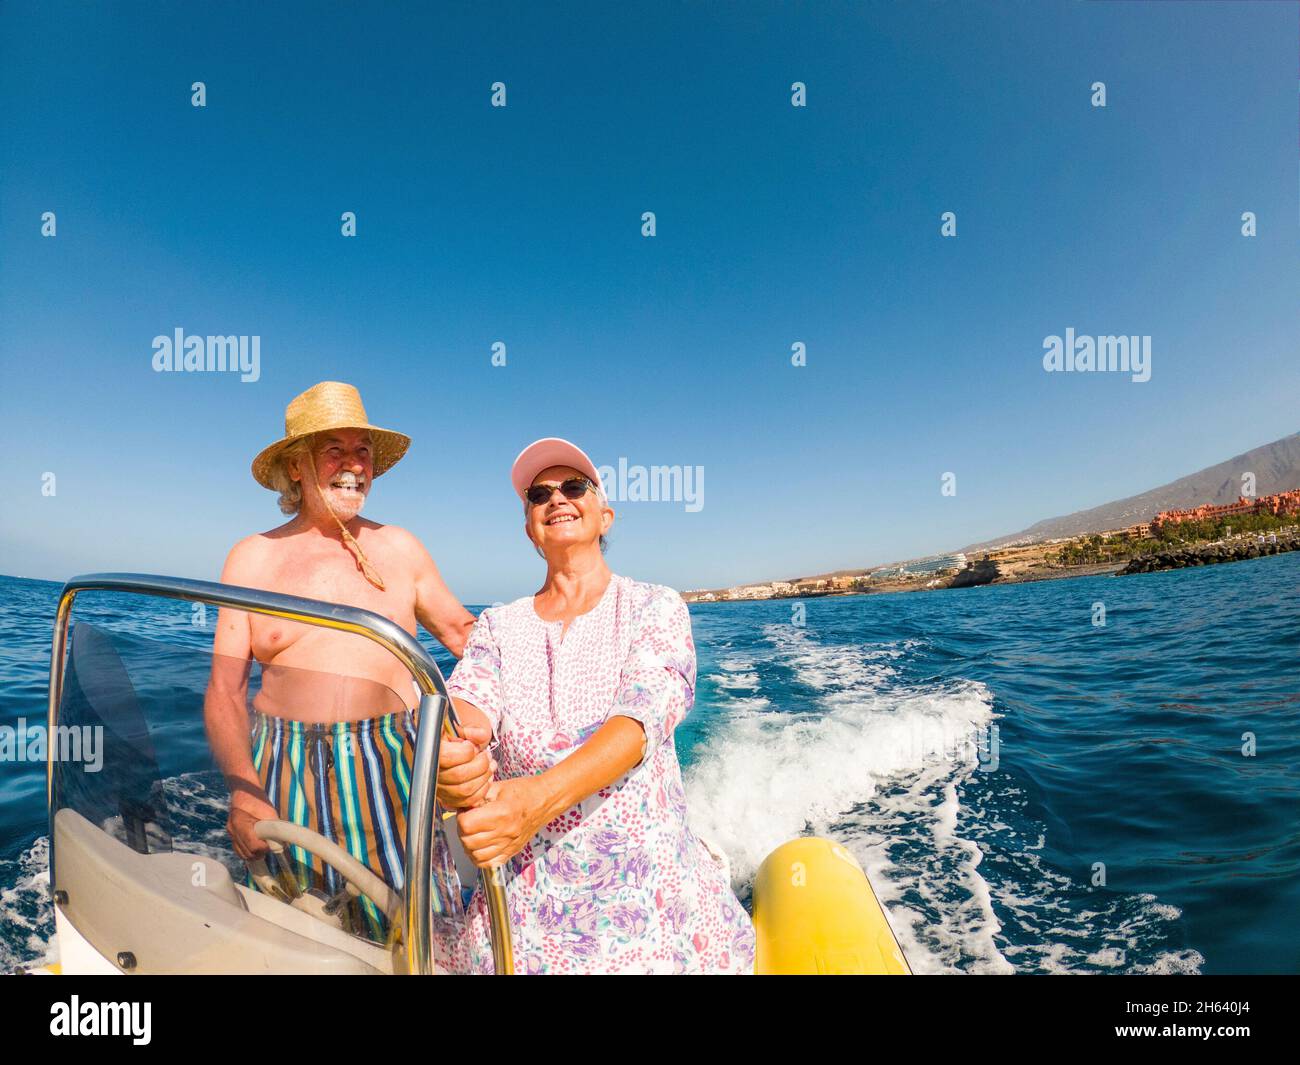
{"points": [[144, 880]]}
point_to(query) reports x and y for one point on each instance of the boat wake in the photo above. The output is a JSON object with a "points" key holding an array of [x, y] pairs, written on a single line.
{"points": [[26, 915], [830, 739]]}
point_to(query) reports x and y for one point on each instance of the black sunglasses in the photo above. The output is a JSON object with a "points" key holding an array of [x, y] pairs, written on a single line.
{"points": [[573, 488]]}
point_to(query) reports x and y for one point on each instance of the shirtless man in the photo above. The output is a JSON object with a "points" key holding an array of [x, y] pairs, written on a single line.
{"points": [[332, 705]]}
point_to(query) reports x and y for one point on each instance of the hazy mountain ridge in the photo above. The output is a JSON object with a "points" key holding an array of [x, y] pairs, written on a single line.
{"points": [[1276, 467]]}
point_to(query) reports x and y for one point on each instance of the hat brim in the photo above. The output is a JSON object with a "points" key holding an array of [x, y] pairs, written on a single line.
{"points": [[387, 449], [545, 453]]}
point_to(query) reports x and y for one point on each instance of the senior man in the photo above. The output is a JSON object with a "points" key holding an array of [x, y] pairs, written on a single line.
{"points": [[331, 742]]}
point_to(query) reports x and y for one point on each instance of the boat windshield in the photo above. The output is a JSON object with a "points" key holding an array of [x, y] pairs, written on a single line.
{"points": [[219, 815]]}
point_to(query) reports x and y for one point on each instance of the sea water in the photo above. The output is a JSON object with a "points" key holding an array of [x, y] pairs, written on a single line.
{"points": [[1032, 783]]}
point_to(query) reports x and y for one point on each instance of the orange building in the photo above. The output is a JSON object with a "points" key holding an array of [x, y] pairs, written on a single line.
{"points": [[1278, 504]]}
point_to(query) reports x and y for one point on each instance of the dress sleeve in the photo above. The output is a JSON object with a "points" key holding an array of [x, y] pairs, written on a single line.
{"points": [[477, 676], [657, 683]]}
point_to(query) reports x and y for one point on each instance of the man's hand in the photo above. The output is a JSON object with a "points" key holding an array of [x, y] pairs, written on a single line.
{"points": [[465, 769], [246, 810], [503, 825]]}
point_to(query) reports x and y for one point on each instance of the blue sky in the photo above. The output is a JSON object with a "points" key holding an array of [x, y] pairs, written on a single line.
{"points": [[523, 225]]}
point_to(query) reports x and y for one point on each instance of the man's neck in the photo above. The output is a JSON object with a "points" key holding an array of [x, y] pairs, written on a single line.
{"points": [[323, 523]]}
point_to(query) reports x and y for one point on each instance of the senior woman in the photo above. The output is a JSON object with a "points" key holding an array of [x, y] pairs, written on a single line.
{"points": [[582, 685]]}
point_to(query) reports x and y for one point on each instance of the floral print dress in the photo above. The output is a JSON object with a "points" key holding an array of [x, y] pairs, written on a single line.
{"points": [[617, 883]]}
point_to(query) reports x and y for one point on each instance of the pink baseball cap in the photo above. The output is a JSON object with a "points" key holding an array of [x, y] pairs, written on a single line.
{"points": [[545, 453]]}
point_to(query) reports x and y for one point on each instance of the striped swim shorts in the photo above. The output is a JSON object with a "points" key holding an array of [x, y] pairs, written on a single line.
{"points": [[351, 782]]}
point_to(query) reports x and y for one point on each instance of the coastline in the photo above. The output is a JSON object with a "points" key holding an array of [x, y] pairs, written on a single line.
{"points": [[892, 587], [1196, 540]]}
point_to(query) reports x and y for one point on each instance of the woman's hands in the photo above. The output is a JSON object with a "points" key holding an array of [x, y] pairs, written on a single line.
{"points": [[499, 828], [513, 811], [465, 769]]}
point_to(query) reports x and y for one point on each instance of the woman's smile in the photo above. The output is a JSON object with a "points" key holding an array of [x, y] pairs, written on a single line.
{"points": [[582, 686]]}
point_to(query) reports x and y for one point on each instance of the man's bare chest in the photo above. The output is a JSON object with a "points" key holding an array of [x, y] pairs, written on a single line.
{"points": [[334, 577]]}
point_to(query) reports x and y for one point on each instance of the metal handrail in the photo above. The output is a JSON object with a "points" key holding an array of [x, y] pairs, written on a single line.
{"points": [[435, 705]]}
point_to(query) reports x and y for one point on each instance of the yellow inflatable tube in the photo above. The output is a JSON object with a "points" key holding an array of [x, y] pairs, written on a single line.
{"points": [[815, 913]]}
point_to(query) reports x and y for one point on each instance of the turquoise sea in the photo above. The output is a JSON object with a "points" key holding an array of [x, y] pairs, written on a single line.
{"points": [[1029, 791]]}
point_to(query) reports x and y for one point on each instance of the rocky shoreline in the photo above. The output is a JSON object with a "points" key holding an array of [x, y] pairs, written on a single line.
{"points": [[985, 571], [1031, 563], [1212, 554]]}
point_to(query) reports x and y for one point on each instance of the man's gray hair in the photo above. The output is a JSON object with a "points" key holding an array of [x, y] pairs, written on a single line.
{"points": [[290, 490]]}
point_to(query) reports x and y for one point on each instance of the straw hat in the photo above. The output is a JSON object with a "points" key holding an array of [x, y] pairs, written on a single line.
{"points": [[330, 405]]}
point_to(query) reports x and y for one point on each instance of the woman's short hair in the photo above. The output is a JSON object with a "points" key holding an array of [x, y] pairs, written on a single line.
{"points": [[603, 500]]}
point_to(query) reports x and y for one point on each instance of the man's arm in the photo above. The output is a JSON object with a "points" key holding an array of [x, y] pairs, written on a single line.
{"points": [[469, 714], [225, 713], [465, 768], [435, 607], [224, 707]]}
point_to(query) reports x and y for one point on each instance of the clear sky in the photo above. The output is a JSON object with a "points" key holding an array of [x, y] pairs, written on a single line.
{"points": [[522, 224]]}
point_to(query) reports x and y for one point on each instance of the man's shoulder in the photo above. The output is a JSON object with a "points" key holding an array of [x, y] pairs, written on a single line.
{"points": [[398, 538], [258, 545]]}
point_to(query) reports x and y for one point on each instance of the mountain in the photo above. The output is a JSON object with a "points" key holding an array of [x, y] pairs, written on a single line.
{"points": [[1276, 467]]}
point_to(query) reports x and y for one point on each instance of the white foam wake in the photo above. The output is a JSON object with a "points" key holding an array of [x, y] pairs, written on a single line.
{"points": [[768, 774], [25, 911], [847, 748], [859, 756]]}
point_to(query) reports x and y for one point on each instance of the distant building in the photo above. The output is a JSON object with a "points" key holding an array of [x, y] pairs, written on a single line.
{"points": [[1278, 504], [934, 564], [750, 591]]}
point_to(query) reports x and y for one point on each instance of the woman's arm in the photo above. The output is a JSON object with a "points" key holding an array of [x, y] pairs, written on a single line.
{"points": [[608, 754], [518, 808]]}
